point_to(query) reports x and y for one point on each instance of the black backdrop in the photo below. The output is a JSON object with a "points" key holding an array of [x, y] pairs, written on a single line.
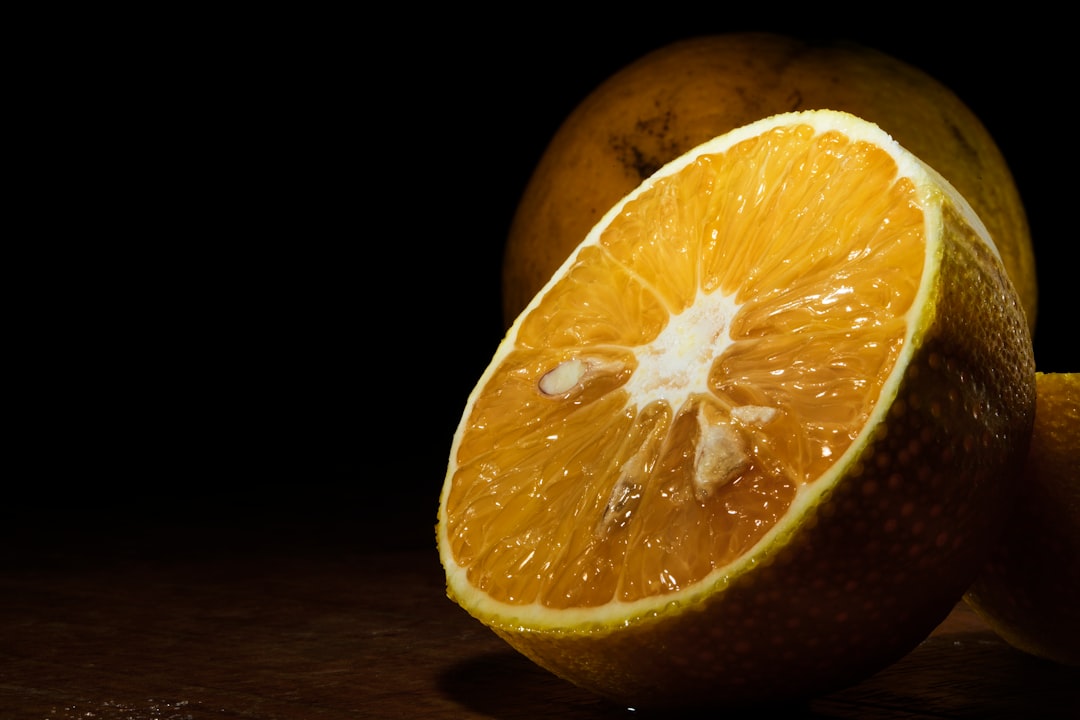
{"points": [[295, 285]]}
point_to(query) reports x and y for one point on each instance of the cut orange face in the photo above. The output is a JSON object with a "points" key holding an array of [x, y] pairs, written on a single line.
{"points": [[753, 438]]}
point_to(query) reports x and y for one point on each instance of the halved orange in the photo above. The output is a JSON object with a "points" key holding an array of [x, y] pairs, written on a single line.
{"points": [[753, 439]]}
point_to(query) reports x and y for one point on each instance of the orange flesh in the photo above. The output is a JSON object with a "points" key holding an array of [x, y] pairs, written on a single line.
{"points": [[581, 497]]}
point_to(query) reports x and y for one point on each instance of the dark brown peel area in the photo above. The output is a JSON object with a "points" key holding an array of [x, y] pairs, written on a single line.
{"points": [[649, 146]]}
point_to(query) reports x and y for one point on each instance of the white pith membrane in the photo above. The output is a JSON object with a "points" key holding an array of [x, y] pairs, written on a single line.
{"points": [[692, 339]]}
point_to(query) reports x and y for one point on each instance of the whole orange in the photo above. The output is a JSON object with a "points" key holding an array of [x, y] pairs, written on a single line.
{"points": [[1029, 591], [683, 94]]}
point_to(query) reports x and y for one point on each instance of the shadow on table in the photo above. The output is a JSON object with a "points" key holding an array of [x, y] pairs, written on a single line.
{"points": [[508, 685], [960, 675]]}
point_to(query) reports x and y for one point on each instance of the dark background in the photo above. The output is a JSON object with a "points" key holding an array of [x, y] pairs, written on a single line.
{"points": [[264, 274]]}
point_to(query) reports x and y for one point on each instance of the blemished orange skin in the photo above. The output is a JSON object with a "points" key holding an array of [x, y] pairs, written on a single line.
{"points": [[683, 94], [1029, 591]]}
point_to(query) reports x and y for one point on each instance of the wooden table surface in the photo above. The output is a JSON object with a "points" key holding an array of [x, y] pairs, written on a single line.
{"points": [[291, 621]]}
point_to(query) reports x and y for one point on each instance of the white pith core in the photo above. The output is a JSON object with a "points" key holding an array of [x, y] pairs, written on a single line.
{"points": [[676, 365]]}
